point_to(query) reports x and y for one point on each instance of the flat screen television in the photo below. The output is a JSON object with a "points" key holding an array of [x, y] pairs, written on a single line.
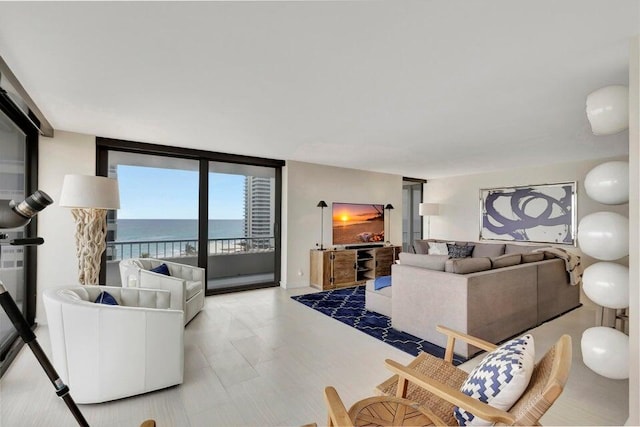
{"points": [[357, 223]]}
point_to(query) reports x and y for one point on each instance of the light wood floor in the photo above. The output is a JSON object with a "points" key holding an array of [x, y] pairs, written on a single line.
{"points": [[258, 358]]}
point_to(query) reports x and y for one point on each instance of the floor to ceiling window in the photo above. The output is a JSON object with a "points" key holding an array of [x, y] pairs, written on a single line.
{"points": [[18, 168], [241, 226], [411, 220], [158, 215], [217, 211]]}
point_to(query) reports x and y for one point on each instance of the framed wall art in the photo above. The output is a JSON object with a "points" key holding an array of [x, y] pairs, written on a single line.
{"points": [[534, 213]]}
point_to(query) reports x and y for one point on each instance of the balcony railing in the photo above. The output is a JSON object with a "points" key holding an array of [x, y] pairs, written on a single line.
{"points": [[187, 248]]}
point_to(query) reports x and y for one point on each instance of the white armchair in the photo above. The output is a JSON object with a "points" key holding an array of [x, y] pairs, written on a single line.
{"points": [[186, 282], [106, 352]]}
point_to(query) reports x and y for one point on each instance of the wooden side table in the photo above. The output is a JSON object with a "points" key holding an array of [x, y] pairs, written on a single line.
{"points": [[391, 411]]}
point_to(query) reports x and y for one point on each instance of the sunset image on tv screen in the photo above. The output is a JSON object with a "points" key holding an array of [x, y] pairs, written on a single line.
{"points": [[357, 223]]}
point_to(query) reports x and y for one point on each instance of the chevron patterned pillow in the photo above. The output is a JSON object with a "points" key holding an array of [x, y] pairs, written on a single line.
{"points": [[500, 378]]}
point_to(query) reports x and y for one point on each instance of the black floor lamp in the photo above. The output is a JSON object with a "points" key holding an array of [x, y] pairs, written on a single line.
{"points": [[389, 208], [322, 204]]}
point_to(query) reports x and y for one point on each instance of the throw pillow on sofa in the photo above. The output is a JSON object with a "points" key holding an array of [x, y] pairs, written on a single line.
{"points": [[421, 247], [161, 269], [106, 298], [438, 248], [506, 260], [459, 251], [500, 378], [431, 262]]}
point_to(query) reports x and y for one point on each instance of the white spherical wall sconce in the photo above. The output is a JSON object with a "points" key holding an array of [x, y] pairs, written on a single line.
{"points": [[604, 235], [606, 352], [608, 110], [607, 284], [608, 183]]}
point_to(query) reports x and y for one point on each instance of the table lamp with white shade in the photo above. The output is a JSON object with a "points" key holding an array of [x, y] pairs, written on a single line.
{"points": [[89, 197], [428, 210]]}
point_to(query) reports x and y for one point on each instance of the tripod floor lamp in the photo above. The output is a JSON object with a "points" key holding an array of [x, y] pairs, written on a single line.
{"points": [[428, 210], [89, 197]]}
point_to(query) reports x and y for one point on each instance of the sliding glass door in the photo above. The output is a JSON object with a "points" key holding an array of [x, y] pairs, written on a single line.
{"points": [[185, 206], [18, 161], [12, 187], [158, 215], [241, 226]]}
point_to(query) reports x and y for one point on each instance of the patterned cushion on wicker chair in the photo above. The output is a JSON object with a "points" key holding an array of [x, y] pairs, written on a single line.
{"points": [[500, 378]]}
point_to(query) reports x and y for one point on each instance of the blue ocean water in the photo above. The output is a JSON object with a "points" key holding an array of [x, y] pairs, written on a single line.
{"points": [[169, 237], [175, 229]]}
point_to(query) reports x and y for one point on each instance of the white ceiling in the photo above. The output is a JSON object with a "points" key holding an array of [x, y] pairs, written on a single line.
{"points": [[417, 88]]}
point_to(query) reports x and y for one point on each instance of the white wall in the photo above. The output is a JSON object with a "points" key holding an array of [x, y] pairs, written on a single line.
{"points": [[57, 263], [304, 185], [460, 202], [634, 231]]}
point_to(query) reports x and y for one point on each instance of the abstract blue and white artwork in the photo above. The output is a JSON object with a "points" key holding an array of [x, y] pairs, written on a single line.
{"points": [[536, 213]]}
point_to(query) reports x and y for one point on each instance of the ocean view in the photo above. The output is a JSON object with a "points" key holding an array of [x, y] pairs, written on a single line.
{"points": [[180, 235], [175, 229]]}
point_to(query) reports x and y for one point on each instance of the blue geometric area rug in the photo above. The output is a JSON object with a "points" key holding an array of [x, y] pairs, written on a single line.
{"points": [[347, 306]]}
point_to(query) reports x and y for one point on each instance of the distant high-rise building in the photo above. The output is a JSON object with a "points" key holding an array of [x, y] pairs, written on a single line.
{"points": [[259, 211], [112, 222]]}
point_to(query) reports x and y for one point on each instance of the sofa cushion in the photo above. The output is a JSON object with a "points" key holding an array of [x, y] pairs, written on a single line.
{"points": [[459, 251], [438, 248], [421, 247], [488, 250], [430, 262], [500, 378], [520, 249], [370, 287], [533, 257], [467, 265], [506, 260]]}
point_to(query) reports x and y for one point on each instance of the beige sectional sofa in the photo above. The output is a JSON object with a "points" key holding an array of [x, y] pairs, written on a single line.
{"points": [[482, 299]]}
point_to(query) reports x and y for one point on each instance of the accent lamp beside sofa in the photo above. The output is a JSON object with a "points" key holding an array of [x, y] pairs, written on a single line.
{"points": [[498, 292]]}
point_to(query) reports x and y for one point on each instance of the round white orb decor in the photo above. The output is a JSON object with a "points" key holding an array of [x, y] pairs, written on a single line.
{"points": [[607, 284], [604, 235], [608, 183], [606, 352], [608, 110]]}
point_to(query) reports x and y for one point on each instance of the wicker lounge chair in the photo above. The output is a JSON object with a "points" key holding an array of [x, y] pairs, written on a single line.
{"points": [[435, 383]]}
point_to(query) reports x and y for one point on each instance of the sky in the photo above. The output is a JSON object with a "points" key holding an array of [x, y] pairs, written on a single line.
{"points": [[154, 193]]}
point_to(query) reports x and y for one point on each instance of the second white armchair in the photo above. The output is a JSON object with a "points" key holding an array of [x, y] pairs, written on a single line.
{"points": [[185, 282]]}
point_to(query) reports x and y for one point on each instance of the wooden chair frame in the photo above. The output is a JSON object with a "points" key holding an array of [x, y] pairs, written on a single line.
{"points": [[338, 414], [550, 391]]}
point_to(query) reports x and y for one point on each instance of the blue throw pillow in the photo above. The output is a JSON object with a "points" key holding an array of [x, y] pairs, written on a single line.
{"points": [[106, 298], [162, 269]]}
